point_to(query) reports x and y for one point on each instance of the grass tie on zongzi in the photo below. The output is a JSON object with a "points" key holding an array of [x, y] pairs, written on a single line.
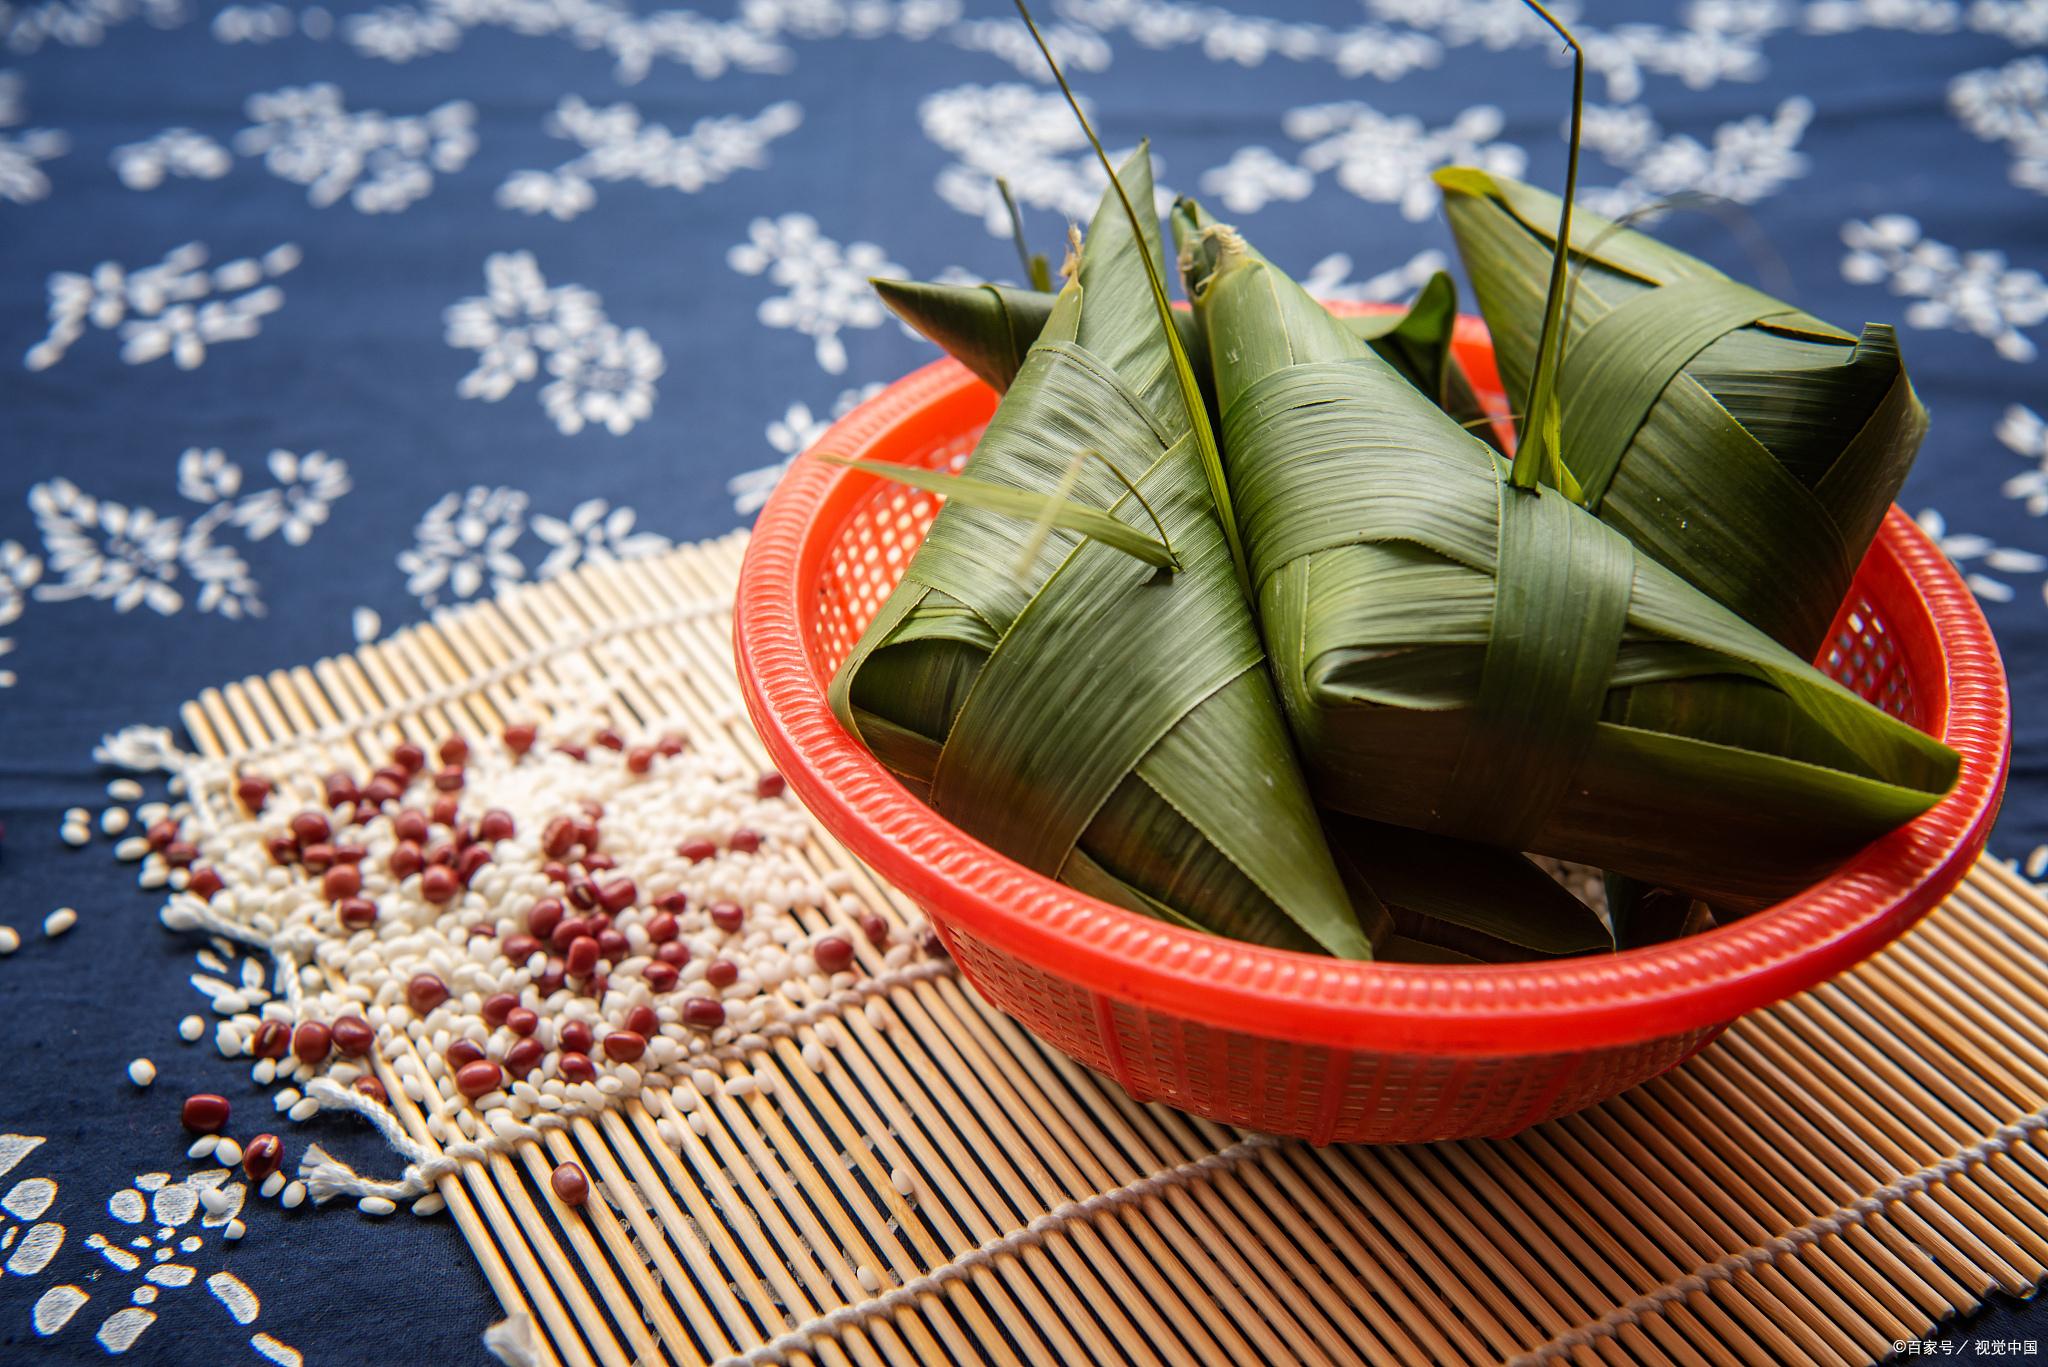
{"points": [[1749, 446], [1465, 655]]}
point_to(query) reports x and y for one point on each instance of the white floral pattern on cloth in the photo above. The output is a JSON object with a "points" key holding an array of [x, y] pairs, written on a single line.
{"points": [[708, 48], [22, 152], [1747, 159], [2025, 433], [143, 1254], [381, 162], [1330, 278], [28, 1240], [470, 539], [19, 572], [1079, 50], [1025, 135], [464, 541], [2024, 22], [2009, 104], [619, 145], [792, 434], [176, 308], [593, 533], [1980, 559], [175, 153], [600, 373], [79, 23], [136, 557], [1224, 35], [1255, 177], [1389, 159], [824, 285], [1966, 291], [268, 23]]}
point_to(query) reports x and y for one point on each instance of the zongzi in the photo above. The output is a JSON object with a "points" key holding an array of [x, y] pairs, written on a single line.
{"points": [[1743, 443], [1466, 656]]}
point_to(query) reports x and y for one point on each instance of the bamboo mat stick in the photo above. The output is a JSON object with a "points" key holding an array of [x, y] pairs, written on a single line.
{"points": [[1835, 1173]]}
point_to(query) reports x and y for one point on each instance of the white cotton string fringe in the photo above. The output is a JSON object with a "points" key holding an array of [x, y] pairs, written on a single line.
{"points": [[1769, 1253], [327, 1176], [512, 1341], [801, 1338]]}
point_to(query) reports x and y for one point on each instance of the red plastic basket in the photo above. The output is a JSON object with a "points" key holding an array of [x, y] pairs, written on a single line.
{"points": [[1293, 1043]]}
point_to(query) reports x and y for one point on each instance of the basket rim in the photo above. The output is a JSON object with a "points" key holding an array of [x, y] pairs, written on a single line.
{"points": [[1468, 1010]]}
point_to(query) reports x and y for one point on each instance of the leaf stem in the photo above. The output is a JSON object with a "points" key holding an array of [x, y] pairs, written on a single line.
{"points": [[1190, 389], [1036, 273], [1539, 458], [1157, 525]]}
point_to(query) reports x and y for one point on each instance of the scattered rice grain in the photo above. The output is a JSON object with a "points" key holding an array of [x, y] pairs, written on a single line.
{"points": [[294, 1195], [114, 820], [142, 1072], [376, 1205], [59, 921]]}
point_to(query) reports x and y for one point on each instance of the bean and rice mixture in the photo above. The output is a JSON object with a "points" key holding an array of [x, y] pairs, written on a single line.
{"points": [[550, 920]]}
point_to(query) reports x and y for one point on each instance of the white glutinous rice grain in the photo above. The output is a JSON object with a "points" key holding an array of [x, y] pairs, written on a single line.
{"points": [[235, 1229], [376, 1205], [294, 1195], [124, 790], [59, 921], [75, 834], [215, 1199], [228, 1153], [142, 1072], [76, 816], [114, 820], [203, 1146], [901, 1179], [191, 1028], [869, 1282], [10, 939], [272, 1185], [433, 1203], [305, 1110], [2037, 862], [131, 849]]}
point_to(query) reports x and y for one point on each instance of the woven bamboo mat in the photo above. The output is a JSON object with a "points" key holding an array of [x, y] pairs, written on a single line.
{"points": [[1842, 1171]]}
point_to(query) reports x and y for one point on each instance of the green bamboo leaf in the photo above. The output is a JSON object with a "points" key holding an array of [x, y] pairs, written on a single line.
{"points": [[1155, 278], [1743, 443], [1044, 511], [1467, 657], [1098, 721], [1497, 907], [1539, 456], [989, 328]]}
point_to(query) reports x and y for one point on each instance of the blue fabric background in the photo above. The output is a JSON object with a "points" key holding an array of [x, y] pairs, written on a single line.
{"points": [[355, 364]]}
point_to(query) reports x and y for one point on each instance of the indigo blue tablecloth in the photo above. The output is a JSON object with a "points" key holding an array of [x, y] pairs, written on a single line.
{"points": [[313, 319]]}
